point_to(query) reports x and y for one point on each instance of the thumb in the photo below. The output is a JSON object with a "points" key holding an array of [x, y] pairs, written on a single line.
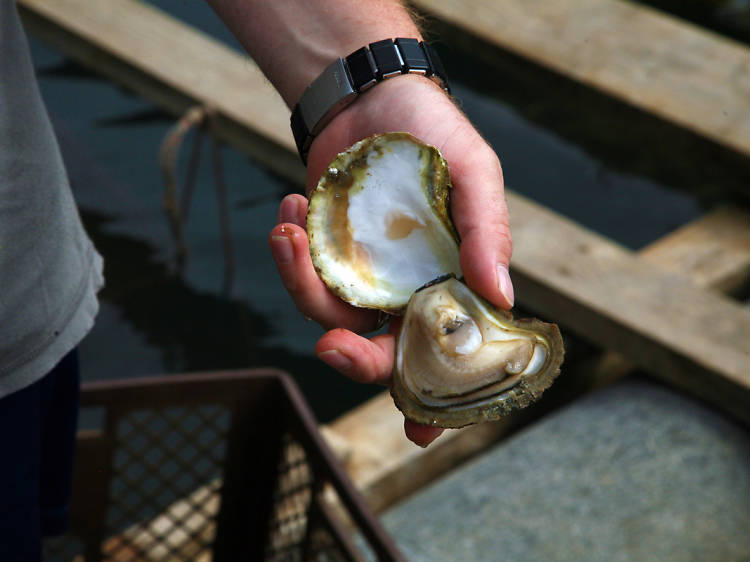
{"points": [[481, 218]]}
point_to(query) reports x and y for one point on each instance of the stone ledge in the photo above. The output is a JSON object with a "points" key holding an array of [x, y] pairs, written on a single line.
{"points": [[634, 472]]}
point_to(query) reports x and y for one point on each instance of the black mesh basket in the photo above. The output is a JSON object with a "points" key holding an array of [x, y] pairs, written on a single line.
{"points": [[215, 466]]}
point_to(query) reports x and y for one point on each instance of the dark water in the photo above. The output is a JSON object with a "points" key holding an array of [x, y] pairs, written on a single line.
{"points": [[730, 18], [608, 167]]}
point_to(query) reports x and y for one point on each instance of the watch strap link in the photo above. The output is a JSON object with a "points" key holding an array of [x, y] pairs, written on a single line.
{"points": [[344, 79]]}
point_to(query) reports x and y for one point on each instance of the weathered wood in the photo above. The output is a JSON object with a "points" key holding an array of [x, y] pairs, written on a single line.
{"points": [[384, 465], [666, 66], [653, 61], [173, 65], [712, 251], [183, 541], [690, 337]]}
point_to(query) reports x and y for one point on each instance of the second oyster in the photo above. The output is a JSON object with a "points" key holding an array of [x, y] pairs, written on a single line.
{"points": [[459, 360]]}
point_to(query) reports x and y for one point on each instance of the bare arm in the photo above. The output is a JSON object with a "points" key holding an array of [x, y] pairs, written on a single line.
{"points": [[293, 42]]}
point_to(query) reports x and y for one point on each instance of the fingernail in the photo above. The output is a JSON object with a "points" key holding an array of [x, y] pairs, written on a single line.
{"points": [[504, 283], [335, 359], [288, 210], [282, 250]]}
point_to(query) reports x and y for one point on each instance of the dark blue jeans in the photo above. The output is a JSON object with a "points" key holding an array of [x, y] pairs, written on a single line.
{"points": [[37, 438]]}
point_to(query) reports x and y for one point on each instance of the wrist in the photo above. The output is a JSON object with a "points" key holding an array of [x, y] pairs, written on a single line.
{"points": [[345, 79], [315, 56], [406, 94]]}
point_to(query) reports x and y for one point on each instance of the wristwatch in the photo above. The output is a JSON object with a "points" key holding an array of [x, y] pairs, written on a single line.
{"points": [[344, 79]]}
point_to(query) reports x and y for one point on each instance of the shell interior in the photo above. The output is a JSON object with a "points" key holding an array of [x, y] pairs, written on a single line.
{"points": [[378, 223], [461, 361]]}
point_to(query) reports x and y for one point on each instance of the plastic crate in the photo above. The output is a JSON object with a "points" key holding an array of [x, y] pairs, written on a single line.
{"points": [[212, 466]]}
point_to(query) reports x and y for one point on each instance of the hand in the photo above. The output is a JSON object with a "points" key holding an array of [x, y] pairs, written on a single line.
{"points": [[416, 105]]}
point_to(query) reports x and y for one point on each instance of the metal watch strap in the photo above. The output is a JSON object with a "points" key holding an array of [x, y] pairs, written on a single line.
{"points": [[344, 79]]}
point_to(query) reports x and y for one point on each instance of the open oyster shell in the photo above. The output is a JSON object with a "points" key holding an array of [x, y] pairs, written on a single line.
{"points": [[378, 222], [459, 360], [379, 229]]}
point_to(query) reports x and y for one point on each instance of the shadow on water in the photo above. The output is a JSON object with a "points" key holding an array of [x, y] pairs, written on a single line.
{"points": [[135, 118], [198, 331], [730, 18]]}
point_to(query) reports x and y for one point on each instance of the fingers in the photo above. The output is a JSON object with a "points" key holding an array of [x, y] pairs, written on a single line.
{"points": [[419, 434], [290, 251], [363, 360], [481, 218], [293, 209], [369, 361]]}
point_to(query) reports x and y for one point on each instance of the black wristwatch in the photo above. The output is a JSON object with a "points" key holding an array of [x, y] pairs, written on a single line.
{"points": [[344, 79]]}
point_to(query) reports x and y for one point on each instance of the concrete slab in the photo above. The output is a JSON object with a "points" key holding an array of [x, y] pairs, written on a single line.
{"points": [[635, 472]]}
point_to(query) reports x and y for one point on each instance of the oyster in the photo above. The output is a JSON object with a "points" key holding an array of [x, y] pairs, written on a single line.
{"points": [[459, 360], [379, 229], [378, 222]]}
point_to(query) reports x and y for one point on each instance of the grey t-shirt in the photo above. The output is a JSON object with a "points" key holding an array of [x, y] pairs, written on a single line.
{"points": [[49, 270]]}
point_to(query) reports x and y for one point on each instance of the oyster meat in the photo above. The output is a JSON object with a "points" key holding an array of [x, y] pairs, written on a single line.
{"points": [[379, 229], [378, 222], [459, 360]]}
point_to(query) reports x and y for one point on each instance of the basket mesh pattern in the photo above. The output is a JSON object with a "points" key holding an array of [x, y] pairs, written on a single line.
{"points": [[291, 504], [294, 534], [164, 492]]}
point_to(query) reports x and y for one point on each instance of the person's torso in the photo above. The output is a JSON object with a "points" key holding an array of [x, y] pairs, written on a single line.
{"points": [[46, 259]]}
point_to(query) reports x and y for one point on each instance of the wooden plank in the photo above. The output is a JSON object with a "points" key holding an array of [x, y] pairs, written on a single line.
{"points": [[692, 338], [183, 541], [173, 65], [384, 465], [712, 251], [653, 61]]}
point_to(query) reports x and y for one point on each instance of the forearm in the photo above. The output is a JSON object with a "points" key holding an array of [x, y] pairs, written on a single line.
{"points": [[293, 41]]}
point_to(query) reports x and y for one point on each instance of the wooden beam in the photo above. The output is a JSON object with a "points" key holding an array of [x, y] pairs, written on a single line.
{"points": [[665, 66], [712, 251], [690, 337], [173, 65]]}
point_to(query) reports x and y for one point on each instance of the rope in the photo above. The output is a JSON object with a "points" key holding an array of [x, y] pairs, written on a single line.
{"points": [[177, 206]]}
